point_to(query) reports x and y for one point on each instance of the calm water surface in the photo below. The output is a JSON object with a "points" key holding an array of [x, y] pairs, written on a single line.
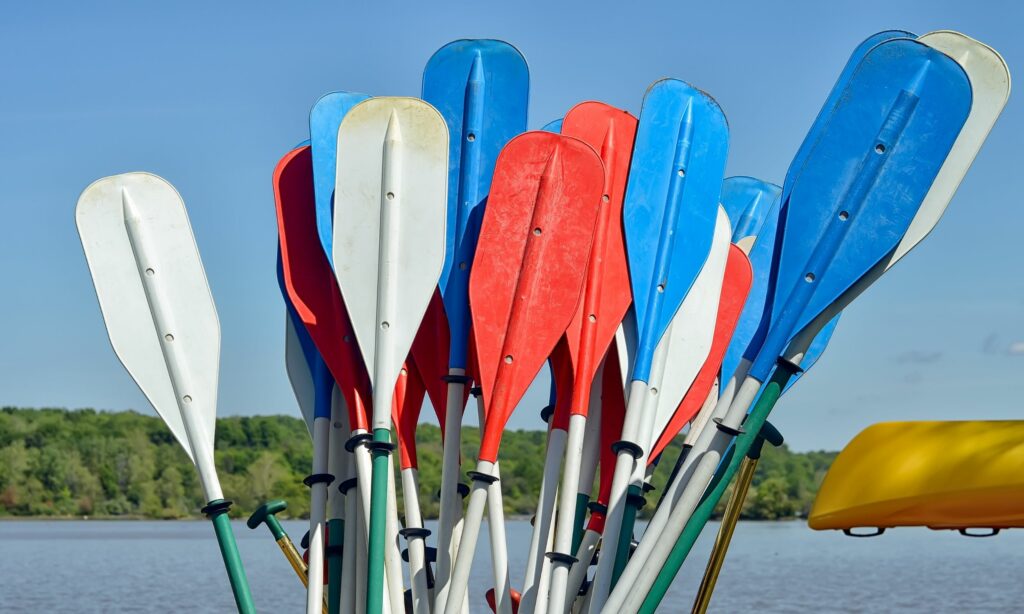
{"points": [[97, 566]]}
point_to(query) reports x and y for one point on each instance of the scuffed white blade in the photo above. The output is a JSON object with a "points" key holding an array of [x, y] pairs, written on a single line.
{"points": [[392, 161], [687, 342], [298, 372], [990, 84], [167, 253]]}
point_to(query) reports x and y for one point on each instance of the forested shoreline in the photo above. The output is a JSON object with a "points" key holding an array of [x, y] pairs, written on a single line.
{"points": [[74, 463]]}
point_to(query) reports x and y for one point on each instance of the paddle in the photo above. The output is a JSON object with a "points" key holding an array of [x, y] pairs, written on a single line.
{"points": [[480, 87], [613, 410], [672, 192], [606, 297], [535, 240], [324, 120], [682, 352], [309, 287], [409, 394], [732, 515], [563, 365], [755, 205], [162, 323], [267, 514], [388, 250], [881, 160]]}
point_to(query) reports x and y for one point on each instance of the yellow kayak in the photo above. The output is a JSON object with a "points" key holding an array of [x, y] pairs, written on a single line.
{"points": [[942, 475]]}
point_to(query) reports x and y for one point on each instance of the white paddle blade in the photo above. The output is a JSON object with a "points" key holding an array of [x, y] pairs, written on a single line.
{"points": [[687, 342], [298, 372], [990, 83], [165, 332], [389, 224]]}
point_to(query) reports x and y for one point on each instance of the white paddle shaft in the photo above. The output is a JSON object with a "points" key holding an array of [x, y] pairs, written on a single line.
{"points": [[450, 503], [470, 534], [317, 517], [542, 518], [417, 547]]}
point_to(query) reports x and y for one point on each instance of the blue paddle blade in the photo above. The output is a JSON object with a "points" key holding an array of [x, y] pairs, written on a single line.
{"points": [[324, 120], [747, 202], [833, 98], [553, 126], [740, 194], [671, 204], [756, 317], [864, 180], [323, 382], [481, 88]]}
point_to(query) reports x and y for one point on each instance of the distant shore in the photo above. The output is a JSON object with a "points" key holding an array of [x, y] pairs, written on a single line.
{"points": [[59, 464]]}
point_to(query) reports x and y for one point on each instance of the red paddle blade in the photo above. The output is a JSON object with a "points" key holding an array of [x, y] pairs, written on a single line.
{"points": [[607, 294], [430, 352], [735, 287], [613, 414], [563, 365], [405, 410], [516, 598], [311, 285], [530, 263]]}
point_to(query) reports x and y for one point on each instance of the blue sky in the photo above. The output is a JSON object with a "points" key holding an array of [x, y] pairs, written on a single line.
{"points": [[210, 96]]}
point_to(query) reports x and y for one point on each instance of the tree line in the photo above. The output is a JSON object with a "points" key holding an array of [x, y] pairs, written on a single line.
{"points": [[75, 463]]}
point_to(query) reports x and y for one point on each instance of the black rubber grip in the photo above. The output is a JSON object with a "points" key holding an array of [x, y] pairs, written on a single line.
{"points": [[597, 508], [380, 446], [476, 476], [628, 446], [414, 532], [561, 557], [355, 440], [545, 413], [637, 501], [456, 379], [318, 478], [216, 507], [476, 391], [347, 485], [788, 365], [728, 430]]}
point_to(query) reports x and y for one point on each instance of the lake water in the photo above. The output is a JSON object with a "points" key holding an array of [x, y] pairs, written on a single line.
{"points": [[121, 566]]}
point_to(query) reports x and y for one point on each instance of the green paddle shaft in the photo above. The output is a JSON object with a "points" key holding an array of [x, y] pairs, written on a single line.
{"points": [[217, 512], [335, 545], [634, 501], [582, 500], [381, 450], [751, 428]]}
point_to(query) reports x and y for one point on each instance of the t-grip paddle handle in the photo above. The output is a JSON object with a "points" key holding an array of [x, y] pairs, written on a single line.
{"points": [[217, 512], [768, 434], [267, 514]]}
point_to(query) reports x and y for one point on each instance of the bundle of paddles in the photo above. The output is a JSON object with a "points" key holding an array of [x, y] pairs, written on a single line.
{"points": [[432, 248]]}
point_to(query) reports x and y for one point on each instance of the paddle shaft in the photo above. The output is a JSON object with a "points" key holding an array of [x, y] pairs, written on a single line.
{"points": [[319, 481], [482, 478], [542, 519], [199, 440], [217, 512], [725, 532], [451, 502], [416, 537]]}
